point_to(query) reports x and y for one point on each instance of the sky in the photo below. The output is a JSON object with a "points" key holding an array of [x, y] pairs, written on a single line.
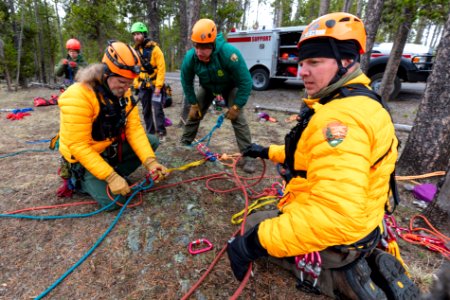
{"points": [[261, 13]]}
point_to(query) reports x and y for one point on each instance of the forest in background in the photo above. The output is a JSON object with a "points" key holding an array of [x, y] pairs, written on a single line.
{"points": [[34, 32]]}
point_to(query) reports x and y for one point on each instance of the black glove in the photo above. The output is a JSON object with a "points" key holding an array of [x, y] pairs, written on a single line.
{"points": [[242, 250], [255, 151]]}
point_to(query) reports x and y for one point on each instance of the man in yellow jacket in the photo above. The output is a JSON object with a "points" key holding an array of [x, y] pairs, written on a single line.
{"points": [[150, 82], [337, 162], [101, 136]]}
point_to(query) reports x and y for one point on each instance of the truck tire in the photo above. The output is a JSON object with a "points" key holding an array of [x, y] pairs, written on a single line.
{"points": [[261, 80], [376, 83]]}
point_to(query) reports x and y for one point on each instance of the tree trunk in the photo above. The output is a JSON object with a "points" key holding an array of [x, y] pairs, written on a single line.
{"points": [[427, 148], [324, 7], [360, 7], [58, 22], [184, 29], [401, 36], [419, 30], [435, 38], [245, 7], [19, 49], [40, 44], [5, 65], [347, 5], [372, 22], [154, 20]]}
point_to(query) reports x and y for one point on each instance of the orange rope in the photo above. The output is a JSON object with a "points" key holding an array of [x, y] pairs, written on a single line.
{"points": [[437, 173]]}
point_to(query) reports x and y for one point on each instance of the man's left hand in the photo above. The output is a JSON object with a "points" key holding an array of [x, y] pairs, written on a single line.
{"points": [[242, 250], [233, 113], [73, 64]]}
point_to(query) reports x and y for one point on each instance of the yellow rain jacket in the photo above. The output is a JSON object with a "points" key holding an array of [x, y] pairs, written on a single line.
{"points": [[159, 66], [343, 197], [79, 109]]}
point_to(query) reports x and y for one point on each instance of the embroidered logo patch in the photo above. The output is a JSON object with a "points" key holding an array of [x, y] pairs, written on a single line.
{"points": [[234, 57], [335, 133], [219, 73]]}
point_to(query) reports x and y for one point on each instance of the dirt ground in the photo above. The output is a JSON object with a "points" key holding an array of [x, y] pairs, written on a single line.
{"points": [[146, 254]]}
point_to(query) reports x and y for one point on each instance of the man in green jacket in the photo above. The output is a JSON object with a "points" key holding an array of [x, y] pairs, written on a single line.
{"points": [[223, 76], [69, 66]]}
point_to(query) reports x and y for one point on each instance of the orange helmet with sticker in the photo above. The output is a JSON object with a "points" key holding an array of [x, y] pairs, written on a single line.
{"points": [[340, 26], [122, 60], [204, 31]]}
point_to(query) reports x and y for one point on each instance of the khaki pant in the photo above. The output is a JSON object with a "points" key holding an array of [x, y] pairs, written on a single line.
{"points": [[331, 258], [240, 125]]}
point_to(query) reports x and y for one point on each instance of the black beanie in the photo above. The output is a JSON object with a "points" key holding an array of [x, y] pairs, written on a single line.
{"points": [[321, 47]]}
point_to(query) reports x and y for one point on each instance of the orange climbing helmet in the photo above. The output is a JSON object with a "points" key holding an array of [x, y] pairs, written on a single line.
{"points": [[340, 26], [121, 59], [204, 31], [73, 44]]}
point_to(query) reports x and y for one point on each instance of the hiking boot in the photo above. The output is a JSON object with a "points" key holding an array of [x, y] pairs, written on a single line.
{"points": [[354, 283], [248, 165], [162, 137], [389, 274]]}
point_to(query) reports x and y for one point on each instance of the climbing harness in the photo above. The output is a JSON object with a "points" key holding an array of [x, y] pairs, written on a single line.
{"points": [[193, 251]]}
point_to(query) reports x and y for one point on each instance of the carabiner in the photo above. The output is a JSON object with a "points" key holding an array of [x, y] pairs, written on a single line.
{"points": [[208, 247]]}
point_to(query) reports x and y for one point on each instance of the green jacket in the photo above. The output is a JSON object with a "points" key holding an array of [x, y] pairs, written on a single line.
{"points": [[225, 71], [68, 72]]}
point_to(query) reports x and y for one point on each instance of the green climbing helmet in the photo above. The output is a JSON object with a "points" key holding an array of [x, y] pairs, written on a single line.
{"points": [[139, 27]]}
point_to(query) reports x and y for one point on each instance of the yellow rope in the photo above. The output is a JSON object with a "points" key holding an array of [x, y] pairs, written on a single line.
{"points": [[255, 205], [187, 166]]}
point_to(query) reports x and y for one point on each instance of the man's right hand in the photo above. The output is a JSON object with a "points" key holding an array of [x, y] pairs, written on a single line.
{"points": [[195, 113], [64, 61], [255, 151], [117, 184]]}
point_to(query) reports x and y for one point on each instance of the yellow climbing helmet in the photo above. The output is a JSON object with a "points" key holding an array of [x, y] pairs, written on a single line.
{"points": [[121, 59], [204, 31]]}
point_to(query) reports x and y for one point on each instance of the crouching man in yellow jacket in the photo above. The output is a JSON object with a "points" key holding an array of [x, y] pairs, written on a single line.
{"points": [[338, 162], [101, 136]]}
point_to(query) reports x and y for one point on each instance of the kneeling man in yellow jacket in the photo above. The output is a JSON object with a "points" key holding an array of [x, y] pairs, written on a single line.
{"points": [[337, 162], [101, 136]]}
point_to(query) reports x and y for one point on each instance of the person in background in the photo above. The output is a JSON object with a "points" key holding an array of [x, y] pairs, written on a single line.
{"points": [[101, 137], [150, 83], [338, 163], [224, 78], [69, 66]]}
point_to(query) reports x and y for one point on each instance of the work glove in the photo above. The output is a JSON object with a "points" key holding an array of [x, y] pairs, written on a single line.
{"points": [[242, 250], [73, 64], [195, 113], [64, 61], [117, 184], [157, 170], [255, 151], [233, 113]]}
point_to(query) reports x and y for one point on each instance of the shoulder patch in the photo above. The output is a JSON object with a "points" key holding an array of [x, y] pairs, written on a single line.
{"points": [[335, 133], [234, 57]]}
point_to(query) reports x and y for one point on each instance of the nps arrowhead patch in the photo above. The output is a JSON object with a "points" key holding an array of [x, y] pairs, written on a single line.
{"points": [[335, 133]]}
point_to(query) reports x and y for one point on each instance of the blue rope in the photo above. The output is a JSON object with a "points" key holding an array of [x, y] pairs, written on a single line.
{"points": [[219, 123], [37, 141], [139, 188], [23, 151]]}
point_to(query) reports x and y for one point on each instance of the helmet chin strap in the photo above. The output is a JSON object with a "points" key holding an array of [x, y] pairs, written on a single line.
{"points": [[341, 69]]}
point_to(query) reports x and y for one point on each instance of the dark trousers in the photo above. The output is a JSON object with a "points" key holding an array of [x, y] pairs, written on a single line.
{"points": [[153, 112]]}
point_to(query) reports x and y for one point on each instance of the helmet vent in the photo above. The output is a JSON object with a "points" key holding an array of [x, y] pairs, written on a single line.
{"points": [[346, 19]]}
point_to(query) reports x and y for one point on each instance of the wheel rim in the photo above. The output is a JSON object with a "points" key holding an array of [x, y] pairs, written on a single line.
{"points": [[259, 80]]}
